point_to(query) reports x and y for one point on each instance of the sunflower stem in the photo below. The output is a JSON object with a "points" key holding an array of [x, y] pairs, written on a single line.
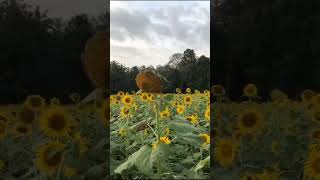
{"points": [[60, 167]]}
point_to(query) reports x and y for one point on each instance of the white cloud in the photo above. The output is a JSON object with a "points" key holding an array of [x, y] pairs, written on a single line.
{"points": [[157, 30]]}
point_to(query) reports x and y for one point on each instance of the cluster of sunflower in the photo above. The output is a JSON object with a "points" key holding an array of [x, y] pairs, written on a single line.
{"points": [[274, 140], [156, 135], [48, 140]]}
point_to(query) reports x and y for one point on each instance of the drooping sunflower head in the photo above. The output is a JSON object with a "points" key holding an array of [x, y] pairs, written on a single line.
{"points": [[55, 122], [148, 81], [49, 157], [250, 90], [35, 102], [250, 121], [218, 90], [225, 151]]}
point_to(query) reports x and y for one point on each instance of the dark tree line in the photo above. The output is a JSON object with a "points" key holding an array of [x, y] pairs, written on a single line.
{"points": [[272, 43], [183, 70], [41, 55]]}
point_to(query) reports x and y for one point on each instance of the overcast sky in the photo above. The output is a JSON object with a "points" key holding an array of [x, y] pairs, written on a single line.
{"points": [[148, 33]]}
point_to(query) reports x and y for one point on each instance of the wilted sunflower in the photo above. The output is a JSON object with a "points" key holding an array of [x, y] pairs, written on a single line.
{"points": [[218, 90], [312, 165], [149, 81], [225, 151], [250, 90], [187, 100], [35, 102], [49, 157], [55, 122], [21, 129], [127, 100], [250, 121]]}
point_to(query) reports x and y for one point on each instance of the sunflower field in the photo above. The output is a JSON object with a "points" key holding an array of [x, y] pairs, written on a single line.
{"points": [[155, 135], [274, 140], [45, 140]]}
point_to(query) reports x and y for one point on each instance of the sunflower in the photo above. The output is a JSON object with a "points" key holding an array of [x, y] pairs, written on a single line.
{"points": [[127, 100], [307, 95], [193, 119], [125, 112], [149, 81], [250, 121], [3, 130], [178, 90], [55, 122], [225, 151], [4, 118], [250, 90], [180, 109], [188, 90], [69, 172], [218, 90], [207, 114], [165, 114], [165, 139], [54, 102], [122, 132], [49, 157], [167, 131], [75, 97], [151, 97], [35, 102], [312, 165], [120, 93], [21, 129], [144, 97], [205, 138], [188, 100]]}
